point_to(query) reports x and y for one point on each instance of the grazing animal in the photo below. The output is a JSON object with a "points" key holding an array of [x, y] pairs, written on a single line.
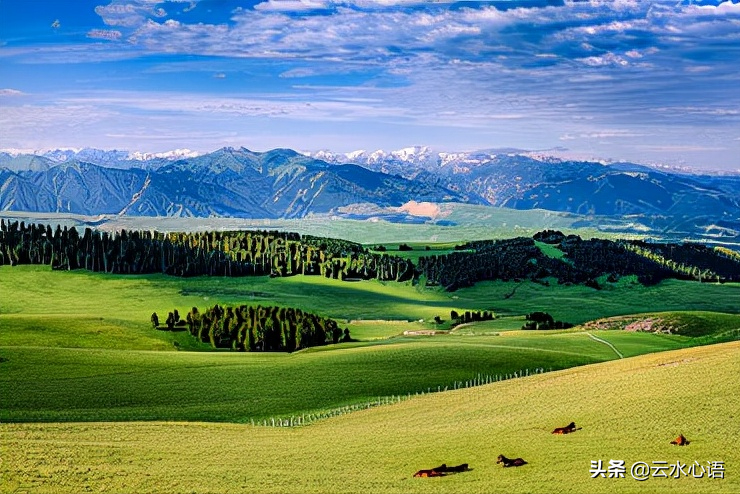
{"points": [[516, 462], [459, 468], [429, 473], [566, 430], [680, 441], [442, 470]]}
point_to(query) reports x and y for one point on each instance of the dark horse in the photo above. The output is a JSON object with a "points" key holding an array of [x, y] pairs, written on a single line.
{"points": [[680, 441], [459, 468], [516, 462], [566, 430]]}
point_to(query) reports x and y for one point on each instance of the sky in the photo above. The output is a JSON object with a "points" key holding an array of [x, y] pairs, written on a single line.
{"points": [[638, 80]]}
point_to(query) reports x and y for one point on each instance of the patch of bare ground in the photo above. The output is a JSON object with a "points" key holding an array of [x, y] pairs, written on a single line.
{"points": [[648, 324]]}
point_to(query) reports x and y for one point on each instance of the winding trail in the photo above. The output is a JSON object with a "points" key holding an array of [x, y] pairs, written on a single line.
{"points": [[606, 343]]}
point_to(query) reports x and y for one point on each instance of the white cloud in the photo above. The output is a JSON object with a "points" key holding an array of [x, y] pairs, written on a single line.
{"points": [[306, 5], [131, 13], [11, 92], [603, 134], [302, 72], [472, 66], [108, 34], [608, 59]]}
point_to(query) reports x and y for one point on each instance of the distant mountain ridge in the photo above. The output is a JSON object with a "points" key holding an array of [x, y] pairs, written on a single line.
{"points": [[283, 183], [661, 198], [20, 160], [229, 182]]}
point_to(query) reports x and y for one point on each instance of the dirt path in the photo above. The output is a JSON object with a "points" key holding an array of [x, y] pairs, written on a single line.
{"points": [[606, 343]]}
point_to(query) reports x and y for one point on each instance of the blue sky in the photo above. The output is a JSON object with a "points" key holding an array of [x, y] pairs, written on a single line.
{"points": [[647, 81]]}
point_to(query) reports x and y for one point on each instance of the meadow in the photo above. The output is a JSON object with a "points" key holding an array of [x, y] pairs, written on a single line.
{"points": [[78, 346], [122, 403], [629, 409], [454, 223]]}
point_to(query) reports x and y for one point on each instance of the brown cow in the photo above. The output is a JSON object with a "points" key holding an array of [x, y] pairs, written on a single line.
{"points": [[566, 430], [516, 462], [680, 441]]}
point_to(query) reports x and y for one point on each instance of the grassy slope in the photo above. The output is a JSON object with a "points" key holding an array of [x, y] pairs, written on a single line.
{"points": [[40, 307], [78, 344], [578, 304], [629, 409], [53, 384], [41, 384], [471, 223]]}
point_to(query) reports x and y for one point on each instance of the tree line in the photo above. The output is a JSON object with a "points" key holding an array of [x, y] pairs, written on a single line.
{"points": [[274, 253], [241, 253], [584, 262]]}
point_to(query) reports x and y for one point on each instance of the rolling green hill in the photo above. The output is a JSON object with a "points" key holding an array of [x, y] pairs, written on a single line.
{"points": [[78, 346], [628, 409]]}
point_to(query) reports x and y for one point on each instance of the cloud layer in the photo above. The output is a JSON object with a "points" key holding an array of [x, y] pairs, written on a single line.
{"points": [[599, 75]]}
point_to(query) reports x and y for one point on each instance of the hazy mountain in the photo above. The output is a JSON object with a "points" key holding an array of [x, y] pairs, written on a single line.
{"points": [[285, 184], [24, 162], [229, 182], [665, 199]]}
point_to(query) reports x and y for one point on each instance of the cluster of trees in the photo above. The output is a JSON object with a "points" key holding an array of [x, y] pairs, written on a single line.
{"points": [[257, 328], [543, 321], [483, 260], [173, 321], [244, 253], [551, 236], [273, 253], [470, 316]]}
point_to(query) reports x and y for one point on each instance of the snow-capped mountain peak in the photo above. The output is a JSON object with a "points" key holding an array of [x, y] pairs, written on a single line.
{"points": [[412, 153], [175, 154]]}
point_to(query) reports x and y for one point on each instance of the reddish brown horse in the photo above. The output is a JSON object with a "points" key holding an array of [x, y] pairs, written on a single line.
{"points": [[442, 470], [429, 473], [516, 462], [566, 430], [680, 441]]}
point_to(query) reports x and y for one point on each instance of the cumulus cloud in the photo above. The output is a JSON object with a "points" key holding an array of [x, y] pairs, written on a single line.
{"points": [[597, 34], [666, 63]]}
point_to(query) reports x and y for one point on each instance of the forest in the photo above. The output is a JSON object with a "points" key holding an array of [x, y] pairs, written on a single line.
{"points": [[273, 253]]}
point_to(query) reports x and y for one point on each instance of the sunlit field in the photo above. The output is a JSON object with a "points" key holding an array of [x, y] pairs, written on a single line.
{"points": [[629, 409]]}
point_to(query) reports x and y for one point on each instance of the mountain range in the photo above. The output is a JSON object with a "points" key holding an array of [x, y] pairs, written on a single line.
{"points": [[229, 182], [283, 183]]}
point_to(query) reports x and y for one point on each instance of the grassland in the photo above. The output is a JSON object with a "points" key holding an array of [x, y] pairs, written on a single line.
{"points": [[462, 222], [41, 307], [79, 347], [56, 385], [125, 411], [578, 303], [629, 410]]}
